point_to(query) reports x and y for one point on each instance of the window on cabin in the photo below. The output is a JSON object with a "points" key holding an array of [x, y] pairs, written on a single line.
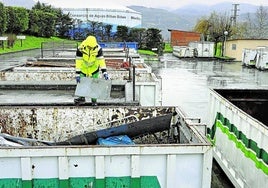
{"points": [[233, 46]]}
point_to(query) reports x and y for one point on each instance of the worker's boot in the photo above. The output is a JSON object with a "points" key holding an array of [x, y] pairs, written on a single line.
{"points": [[80, 100]]}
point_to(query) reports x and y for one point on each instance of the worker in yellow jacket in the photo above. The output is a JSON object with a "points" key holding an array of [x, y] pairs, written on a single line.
{"points": [[88, 63]]}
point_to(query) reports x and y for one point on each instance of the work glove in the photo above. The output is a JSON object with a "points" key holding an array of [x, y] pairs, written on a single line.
{"points": [[105, 75], [77, 78]]}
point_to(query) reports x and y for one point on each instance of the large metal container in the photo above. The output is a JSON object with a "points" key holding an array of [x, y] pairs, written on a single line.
{"points": [[186, 163], [249, 57], [183, 51], [258, 58], [238, 128], [203, 48], [146, 88], [262, 59]]}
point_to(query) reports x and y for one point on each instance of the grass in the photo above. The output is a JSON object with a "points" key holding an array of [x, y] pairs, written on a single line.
{"points": [[225, 58], [30, 42], [168, 48], [147, 52]]}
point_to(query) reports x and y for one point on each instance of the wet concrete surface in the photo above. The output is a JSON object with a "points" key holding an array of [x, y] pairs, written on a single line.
{"points": [[186, 82], [10, 60]]}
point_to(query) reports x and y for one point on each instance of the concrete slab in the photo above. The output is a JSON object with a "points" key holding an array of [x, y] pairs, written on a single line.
{"points": [[52, 97]]}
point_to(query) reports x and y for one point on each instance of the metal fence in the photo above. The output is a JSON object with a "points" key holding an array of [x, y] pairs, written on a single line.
{"points": [[65, 49]]}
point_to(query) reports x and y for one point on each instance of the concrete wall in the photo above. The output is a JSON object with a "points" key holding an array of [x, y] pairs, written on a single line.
{"points": [[234, 48]]}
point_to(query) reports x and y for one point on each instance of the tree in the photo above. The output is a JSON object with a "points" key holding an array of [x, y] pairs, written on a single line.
{"points": [[255, 26], [214, 26], [93, 27], [261, 22], [241, 30], [63, 24], [34, 17], [3, 19], [41, 23], [154, 40], [49, 23], [108, 31], [122, 33], [251, 34], [138, 35], [202, 27], [46, 8], [218, 24], [17, 19], [51, 18]]}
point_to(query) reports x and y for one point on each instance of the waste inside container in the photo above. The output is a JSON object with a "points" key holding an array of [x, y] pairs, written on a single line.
{"points": [[115, 140]]}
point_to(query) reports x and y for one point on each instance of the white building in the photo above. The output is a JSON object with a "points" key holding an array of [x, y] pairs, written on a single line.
{"points": [[85, 10]]}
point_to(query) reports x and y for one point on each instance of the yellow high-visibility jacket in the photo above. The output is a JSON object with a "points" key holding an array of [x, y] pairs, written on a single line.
{"points": [[89, 61]]}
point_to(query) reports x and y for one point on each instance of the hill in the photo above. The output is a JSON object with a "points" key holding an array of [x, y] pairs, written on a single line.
{"points": [[186, 17], [163, 19]]}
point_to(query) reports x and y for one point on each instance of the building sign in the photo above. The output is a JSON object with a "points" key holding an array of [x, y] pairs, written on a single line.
{"points": [[127, 18], [105, 16]]}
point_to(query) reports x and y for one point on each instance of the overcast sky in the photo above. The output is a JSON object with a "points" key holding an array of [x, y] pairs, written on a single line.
{"points": [[169, 4]]}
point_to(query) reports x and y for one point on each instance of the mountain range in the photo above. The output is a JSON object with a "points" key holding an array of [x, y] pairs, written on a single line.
{"points": [[183, 18]]}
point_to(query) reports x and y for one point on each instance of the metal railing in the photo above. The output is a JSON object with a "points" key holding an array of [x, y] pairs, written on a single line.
{"points": [[65, 49]]}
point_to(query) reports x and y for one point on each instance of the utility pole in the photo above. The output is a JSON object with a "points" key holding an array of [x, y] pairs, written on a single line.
{"points": [[234, 14]]}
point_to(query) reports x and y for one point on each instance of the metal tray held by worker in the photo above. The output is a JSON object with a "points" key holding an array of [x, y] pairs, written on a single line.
{"points": [[98, 88]]}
